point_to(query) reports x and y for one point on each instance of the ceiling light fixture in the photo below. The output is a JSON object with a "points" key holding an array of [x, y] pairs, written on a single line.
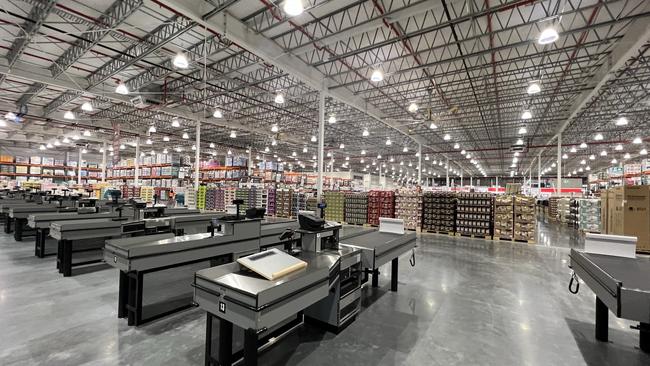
{"points": [[313, 138], [180, 61], [583, 145], [526, 114], [598, 136], [603, 153], [87, 133], [152, 129], [433, 126], [274, 128], [618, 147], [165, 138], [57, 143], [637, 140], [548, 36], [87, 107], [273, 142], [332, 119], [185, 135], [122, 89], [175, 122], [519, 142], [122, 147], [446, 137], [233, 134], [75, 136], [293, 7], [217, 113], [342, 146], [413, 107], [279, 98], [523, 130], [388, 142], [626, 156], [377, 76], [621, 121], [68, 115], [148, 142], [643, 152], [573, 150], [533, 88]]}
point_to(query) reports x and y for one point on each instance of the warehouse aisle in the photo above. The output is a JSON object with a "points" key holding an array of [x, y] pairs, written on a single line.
{"points": [[467, 301]]}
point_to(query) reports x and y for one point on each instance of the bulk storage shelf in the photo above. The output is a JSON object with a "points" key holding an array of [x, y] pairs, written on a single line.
{"points": [[356, 208], [335, 210], [504, 217], [380, 204], [408, 207], [524, 218]]}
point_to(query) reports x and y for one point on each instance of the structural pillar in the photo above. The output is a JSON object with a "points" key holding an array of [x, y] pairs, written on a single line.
{"points": [[471, 181], [197, 154], [321, 144], [419, 163], [447, 172], [79, 167], [559, 163], [539, 175], [104, 162], [250, 161], [497, 181], [136, 175], [461, 178]]}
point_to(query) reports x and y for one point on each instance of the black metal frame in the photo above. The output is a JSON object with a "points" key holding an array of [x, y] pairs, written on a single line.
{"points": [[41, 239], [64, 257], [394, 267], [131, 289], [21, 229], [602, 327], [8, 224]]}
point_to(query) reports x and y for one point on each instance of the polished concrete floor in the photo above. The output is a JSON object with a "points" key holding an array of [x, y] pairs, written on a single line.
{"points": [[466, 302]]}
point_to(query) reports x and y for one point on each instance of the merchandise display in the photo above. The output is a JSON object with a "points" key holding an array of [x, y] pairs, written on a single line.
{"points": [[474, 214], [564, 210], [283, 202], [380, 204], [408, 207], [356, 208], [524, 218], [335, 210], [439, 212], [553, 208], [589, 215], [504, 217]]}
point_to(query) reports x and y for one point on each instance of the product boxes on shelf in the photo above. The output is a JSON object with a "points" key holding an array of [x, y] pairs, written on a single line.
{"points": [[356, 208], [589, 215], [524, 218], [380, 204], [474, 214], [504, 217], [439, 212], [335, 209], [408, 207]]}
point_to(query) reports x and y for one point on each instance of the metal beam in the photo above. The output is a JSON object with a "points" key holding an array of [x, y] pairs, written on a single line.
{"points": [[636, 35], [240, 33], [111, 18]]}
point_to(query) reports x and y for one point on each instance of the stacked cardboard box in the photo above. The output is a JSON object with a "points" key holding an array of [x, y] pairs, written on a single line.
{"points": [[552, 208], [283, 202], [604, 210], [335, 206], [270, 201], [589, 215], [380, 204], [474, 214], [356, 208], [299, 203], [630, 214], [408, 207], [564, 210], [524, 218], [439, 212], [200, 197], [504, 217]]}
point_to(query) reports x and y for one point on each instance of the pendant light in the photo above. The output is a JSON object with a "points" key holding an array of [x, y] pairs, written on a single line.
{"points": [[548, 36]]}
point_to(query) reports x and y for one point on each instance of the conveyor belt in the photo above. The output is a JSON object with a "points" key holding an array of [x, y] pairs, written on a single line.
{"points": [[633, 273], [380, 242], [350, 231]]}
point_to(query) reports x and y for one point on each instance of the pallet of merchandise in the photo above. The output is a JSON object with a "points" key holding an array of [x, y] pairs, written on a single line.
{"points": [[524, 218], [504, 216], [380, 204], [474, 214], [270, 201], [439, 212], [588, 215], [335, 202], [552, 208], [356, 208], [408, 207]]}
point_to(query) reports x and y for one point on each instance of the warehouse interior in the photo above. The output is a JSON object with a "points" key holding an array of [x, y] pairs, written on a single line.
{"points": [[308, 182]]}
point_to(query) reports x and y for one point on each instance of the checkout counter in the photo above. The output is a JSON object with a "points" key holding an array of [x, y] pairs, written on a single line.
{"points": [[251, 312]]}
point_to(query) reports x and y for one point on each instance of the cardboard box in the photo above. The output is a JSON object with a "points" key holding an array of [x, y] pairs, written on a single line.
{"points": [[636, 215], [604, 194], [615, 205]]}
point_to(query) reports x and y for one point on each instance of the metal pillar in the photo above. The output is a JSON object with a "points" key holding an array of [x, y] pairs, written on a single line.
{"points": [[447, 172], [136, 175], [380, 183], [197, 154], [539, 175], [250, 161], [419, 163], [321, 144], [104, 162], [461, 178], [497, 181], [471, 181], [559, 163], [79, 167]]}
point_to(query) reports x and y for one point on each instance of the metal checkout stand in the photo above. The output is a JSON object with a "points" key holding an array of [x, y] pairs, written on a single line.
{"points": [[88, 236], [138, 257], [621, 284], [326, 291]]}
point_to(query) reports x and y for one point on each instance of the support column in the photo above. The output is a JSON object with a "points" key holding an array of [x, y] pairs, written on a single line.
{"points": [[530, 179], [461, 178], [497, 180], [380, 183], [559, 163], [539, 175], [447, 172], [136, 176], [321, 144], [471, 181], [104, 162], [197, 154], [250, 161], [419, 164], [79, 167]]}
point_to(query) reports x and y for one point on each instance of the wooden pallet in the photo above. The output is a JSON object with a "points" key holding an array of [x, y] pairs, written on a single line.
{"points": [[450, 233], [475, 236], [355, 223], [513, 240], [643, 251]]}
